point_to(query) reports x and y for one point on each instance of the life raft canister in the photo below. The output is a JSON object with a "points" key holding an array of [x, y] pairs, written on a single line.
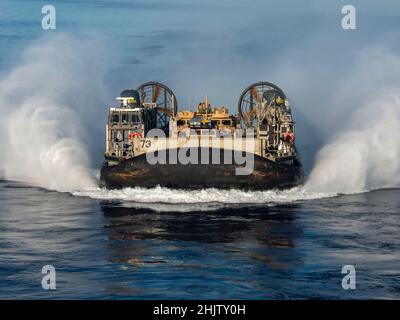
{"points": [[133, 135], [289, 137]]}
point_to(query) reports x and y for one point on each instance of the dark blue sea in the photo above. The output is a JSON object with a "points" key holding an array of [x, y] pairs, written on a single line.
{"points": [[113, 250], [55, 90]]}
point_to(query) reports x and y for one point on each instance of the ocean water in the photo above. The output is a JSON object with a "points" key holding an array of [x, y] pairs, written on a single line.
{"points": [[118, 249], [208, 244]]}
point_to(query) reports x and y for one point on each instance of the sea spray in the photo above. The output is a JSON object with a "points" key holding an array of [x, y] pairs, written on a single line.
{"points": [[204, 196], [46, 106], [45, 149], [366, 155], [363, 151]]}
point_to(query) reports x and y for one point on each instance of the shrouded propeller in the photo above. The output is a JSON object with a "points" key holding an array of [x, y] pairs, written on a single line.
{"points": [[252, 96], [164, 99], [161, 95]]}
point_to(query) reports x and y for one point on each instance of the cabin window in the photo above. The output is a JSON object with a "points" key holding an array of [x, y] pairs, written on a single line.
{"points": [[181, 122], [214, 123], [115, 118], [135, 118], [125, 118], [116, 135], [226, 122], [126, 135], [195, 122]]}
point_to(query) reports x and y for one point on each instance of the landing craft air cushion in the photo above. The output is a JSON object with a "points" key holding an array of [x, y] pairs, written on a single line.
{"points": [[150, 143]]}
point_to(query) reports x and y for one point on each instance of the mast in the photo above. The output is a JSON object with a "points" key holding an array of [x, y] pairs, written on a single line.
{"points": [[206, 105]]}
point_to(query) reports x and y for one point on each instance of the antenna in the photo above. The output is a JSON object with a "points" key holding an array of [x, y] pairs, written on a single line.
{"points": [[173, 105], [206, 104]]}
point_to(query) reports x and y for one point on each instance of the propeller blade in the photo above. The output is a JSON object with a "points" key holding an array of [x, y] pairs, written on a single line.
{"points": [[257, 95], [249, 115], [156, 93]]}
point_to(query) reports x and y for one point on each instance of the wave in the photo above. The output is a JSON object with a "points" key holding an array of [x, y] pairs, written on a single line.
{"points": [[213, 198]]}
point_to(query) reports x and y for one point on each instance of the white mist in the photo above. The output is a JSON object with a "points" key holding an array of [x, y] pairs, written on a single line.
{"points": [[46, 105]]}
